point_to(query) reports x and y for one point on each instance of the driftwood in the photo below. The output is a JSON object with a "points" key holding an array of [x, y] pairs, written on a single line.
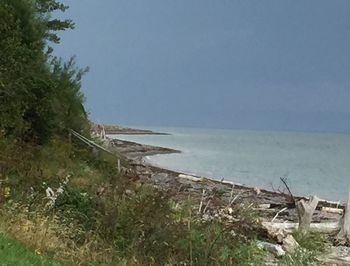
{"points": [[305, 211], [343, 236], [285, 208], [332, 210], [305, 208], [326, 228], [191, 177]]}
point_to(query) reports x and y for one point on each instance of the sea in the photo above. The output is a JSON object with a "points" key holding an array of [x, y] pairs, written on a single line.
{"points": [[311, 163]]}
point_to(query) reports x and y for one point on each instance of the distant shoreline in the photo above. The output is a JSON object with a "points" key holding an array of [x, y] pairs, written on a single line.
{"points": [[119, 130]]}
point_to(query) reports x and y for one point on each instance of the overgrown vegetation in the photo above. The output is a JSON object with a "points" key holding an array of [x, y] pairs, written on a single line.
{"points": [[100, 216], [57, 197], [311, 245]]}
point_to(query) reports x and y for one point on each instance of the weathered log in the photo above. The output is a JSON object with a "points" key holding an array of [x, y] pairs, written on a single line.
{"points": [[305, 211], [191, 177], [332, 210], [343, 236], [326, 228]]}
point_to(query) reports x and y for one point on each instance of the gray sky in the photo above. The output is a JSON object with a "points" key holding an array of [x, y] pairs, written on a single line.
{"points": [[273, 64]]}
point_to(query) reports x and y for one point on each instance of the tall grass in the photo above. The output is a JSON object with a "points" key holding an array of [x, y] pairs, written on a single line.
{"points": [[99, 216]]}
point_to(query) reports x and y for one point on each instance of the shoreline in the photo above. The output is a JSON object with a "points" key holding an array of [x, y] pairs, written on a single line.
{"points": [[268, 202], [214, 200]]}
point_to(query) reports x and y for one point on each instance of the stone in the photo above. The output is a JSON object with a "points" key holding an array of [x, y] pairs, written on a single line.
{"points": [[275, 249]]}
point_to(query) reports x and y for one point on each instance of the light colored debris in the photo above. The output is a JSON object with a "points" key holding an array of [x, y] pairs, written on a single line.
{"points": [[206, 206], [338, 256], [257, 190], [280, 211], [191, 177], [235, 198], [201, 203], [231, 194], [264, 206], [290, 244], [227, 214], [276, 249], [332, 210], [327, 228], [52, 195], [305, 211]]}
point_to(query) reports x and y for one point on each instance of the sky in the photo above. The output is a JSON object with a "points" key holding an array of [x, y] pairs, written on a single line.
{"points": [[247, 64]]}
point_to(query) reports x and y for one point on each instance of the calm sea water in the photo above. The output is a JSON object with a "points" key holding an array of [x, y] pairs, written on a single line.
{"points": [[313, 163]]}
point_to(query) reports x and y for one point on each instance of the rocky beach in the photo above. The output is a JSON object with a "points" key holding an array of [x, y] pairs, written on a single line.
{"points": [[214, 198]]}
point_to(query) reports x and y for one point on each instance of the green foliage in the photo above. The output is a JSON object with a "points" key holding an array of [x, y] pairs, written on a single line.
{"points": [[145, 226], [39, 94], [300, 257], [76, 205], [311, 245], [315, 242], [138, 223]]}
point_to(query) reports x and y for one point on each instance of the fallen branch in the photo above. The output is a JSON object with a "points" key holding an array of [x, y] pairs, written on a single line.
{"points": [[283, 179], [201, 203], [206, 206], [285, 208]]}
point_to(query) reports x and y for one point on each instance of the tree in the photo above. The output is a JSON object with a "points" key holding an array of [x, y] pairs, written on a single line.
{"points": [[39, 94]]}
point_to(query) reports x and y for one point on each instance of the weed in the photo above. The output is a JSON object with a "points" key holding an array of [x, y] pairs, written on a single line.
{"points": [[101, 217], [300, 257], [311, 241], [311, 245]]}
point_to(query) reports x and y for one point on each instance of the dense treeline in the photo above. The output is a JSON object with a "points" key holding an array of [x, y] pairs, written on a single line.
{"points": [[39, 94]]}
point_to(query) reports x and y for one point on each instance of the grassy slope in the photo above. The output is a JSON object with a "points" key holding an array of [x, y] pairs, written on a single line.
{"points": [[13, 253]]}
